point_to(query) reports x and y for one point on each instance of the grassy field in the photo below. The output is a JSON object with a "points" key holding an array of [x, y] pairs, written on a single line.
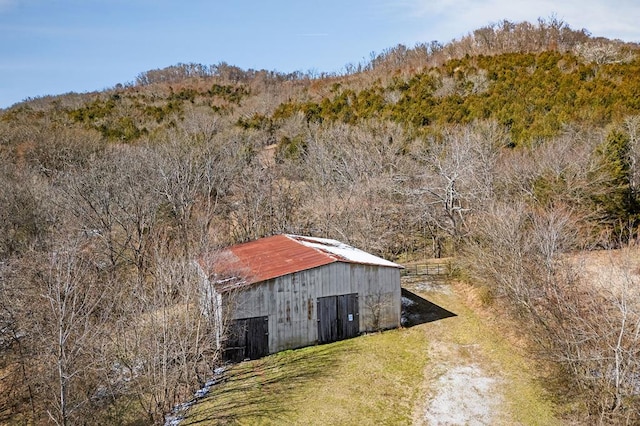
{"points": [[383, 378], [372, 379]]}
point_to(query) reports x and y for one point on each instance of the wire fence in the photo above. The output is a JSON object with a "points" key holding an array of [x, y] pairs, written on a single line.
{"points": [[427, 269]]}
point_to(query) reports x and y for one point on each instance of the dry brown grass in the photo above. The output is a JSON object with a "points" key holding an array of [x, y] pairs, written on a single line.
{"points": [[610, 270]]}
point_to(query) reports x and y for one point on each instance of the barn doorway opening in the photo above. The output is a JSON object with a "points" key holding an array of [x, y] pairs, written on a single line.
{"points": [[338, 317], [247, 338]]}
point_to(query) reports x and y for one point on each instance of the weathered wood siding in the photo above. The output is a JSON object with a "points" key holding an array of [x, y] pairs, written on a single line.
{"points": [[290, 301], [379, 289]]}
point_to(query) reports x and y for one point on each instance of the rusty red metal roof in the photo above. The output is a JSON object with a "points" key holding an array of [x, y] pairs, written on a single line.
{"points": [[279, 255]]}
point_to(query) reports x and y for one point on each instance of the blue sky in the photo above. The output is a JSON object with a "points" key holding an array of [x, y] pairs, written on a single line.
{"points": [[50, 47]]}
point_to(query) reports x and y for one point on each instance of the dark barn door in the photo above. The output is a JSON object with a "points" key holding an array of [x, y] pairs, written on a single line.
{"points": [[327, 319], [247, 338], [338, 317]]}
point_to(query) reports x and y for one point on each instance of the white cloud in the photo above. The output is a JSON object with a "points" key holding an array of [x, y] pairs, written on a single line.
{"points": [[448, 19]]}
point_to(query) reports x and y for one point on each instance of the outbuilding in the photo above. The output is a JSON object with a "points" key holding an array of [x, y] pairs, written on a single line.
{"points": [[289, 291]]}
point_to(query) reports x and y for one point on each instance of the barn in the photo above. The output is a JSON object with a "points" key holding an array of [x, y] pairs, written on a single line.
{"points": [[289, 291]]}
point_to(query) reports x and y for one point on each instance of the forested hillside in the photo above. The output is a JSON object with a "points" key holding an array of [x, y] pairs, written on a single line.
{"points": [[509, 149]]}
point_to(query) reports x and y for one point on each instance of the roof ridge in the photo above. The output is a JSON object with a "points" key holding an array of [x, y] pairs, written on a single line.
{"points": [[298, 239]]}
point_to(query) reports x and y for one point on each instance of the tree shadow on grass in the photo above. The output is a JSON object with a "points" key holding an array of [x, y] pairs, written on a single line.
{"points": [[416, 310], [254, 390]]}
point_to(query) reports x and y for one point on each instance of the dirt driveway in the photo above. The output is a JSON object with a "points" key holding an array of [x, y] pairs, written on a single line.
{"points": [[474, 376]]}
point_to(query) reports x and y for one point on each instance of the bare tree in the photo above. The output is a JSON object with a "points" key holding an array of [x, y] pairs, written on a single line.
{"points": [[590, 327], [68, 329], [455, 176], [22, 216], [171, 348], [593, 330], [194, 177]]}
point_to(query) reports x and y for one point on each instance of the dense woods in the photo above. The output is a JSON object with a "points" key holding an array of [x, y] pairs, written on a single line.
{"points": [[511, 149]]}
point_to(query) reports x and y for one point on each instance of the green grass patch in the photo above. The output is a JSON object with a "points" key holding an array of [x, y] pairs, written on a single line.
{"points": [[372, 379]]}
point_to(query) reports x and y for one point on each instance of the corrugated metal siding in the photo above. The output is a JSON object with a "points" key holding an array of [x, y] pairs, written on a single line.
{"points": [[275, 256]]}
